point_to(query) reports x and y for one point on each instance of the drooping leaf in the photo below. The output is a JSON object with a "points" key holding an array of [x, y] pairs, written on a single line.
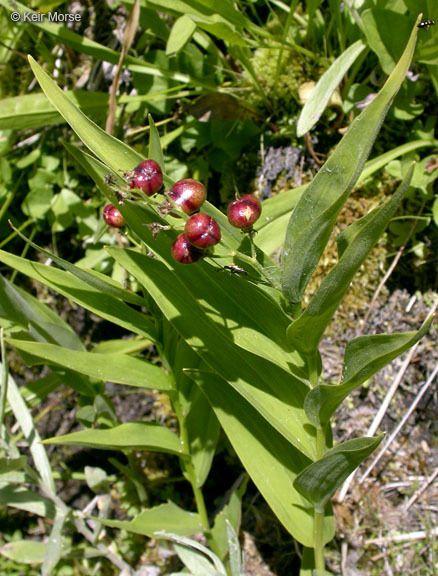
{"points": [[165, 517], [128, 436], [28, 500], [117, 368], [314, 216], [354, 245], [364, 356], [325, 87], [319, 481]]}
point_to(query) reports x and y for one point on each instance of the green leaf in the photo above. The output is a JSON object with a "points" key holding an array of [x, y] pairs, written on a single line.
{"points": [[325, 87], [24, 551], [354, 244], [197, 563], [83, 294], [91, 277], [261, 449], [364, 356], [203, 433], [315, 214], [30, 433], [111, 151], [319, 481], [25, 499], [165, 517], [230, 514], [54, 543], [155, 152], [128, 436], [10, 464], [435, 210], [379, 26], [213, 333], [181, 33], [117, 368], [37, 203]]}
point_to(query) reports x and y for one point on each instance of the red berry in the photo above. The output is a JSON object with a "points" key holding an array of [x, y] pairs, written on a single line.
{"points": [[188, 194], [147, 177], [244, 211], [183, 252], [202, 231], [112, 216]]}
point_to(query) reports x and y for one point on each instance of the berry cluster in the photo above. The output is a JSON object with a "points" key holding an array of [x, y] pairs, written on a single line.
{"points": [[200, 231]]}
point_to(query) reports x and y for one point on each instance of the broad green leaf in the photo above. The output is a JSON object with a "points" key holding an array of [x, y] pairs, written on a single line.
{"points": [[379, 26], [315, 214], [117, 368], [269, 388], [37, 203], [168, 517], [24, 551], [31, 435], [128, 436], [181, 33], [319, 481], [25, 499], [262, 449], [83, 294], [354, 244], [364, 356], [325, 87], [203, 433]]}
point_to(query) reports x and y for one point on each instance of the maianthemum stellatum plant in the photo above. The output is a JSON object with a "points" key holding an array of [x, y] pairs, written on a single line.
{"points": [[238, 351]]}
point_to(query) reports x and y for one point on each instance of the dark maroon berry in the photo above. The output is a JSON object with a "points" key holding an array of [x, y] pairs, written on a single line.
{"points": [[244, 211], [147, 177], [112, 216], [188, 194], [202, 231], [183, 252]]}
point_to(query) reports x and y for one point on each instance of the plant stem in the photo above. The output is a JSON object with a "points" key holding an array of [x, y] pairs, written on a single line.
{"points": [[318, 540], [3, 383]]}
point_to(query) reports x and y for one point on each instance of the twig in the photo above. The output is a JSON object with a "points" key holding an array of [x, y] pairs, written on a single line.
{"points": [[420, 491], [401, 424], [409, 536]]}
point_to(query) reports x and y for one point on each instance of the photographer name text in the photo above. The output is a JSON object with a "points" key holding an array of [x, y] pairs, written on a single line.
{"points": [[41, 17]]}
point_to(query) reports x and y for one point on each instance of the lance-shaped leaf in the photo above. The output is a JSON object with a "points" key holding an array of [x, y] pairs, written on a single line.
{"points": [[117, 368], [315, 214], [166, 517], [92, 277], [319, 481], [181, 33], [213, 334], [28, 500], [271, 461], [364, 356], [325, 87], [128, 436], [83, 294], [353, 246]]}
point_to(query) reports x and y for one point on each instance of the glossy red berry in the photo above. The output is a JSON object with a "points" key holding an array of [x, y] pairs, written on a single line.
{"points": [[188, 194], [147, 177], [244, 211], [202, 231], [183, 252], [112, 216]]}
